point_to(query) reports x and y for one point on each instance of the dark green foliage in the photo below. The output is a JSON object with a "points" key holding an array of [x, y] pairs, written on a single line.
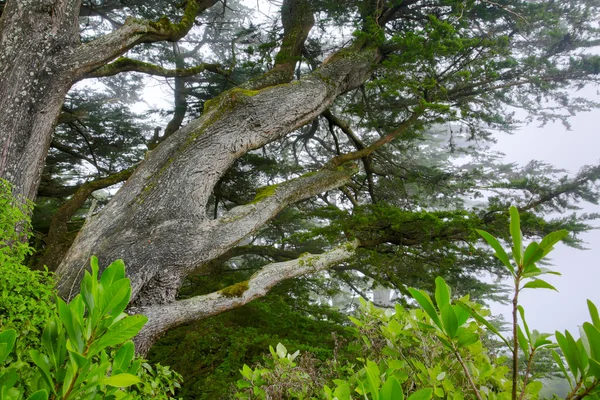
{"points": [[210, 353]]}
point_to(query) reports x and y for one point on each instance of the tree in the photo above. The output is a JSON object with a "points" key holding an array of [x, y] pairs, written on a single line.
{"points": [[409, 65]]}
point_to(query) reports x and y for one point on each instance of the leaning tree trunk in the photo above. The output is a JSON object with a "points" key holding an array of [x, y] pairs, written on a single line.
{"points": [[157, 222], [34, 38], [40, 58]]}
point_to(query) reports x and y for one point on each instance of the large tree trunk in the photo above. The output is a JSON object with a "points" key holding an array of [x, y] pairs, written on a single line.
{"points": [[157, 222], [34, 38]]}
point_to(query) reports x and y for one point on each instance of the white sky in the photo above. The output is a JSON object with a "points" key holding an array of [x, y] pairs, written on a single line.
{"points": [[547, 310]]}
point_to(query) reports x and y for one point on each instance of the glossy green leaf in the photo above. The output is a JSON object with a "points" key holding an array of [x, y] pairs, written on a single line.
{"points": [[500, 252], [113, 273], [422, 394], [43, 366], [483, 321], [561, 365], [425, 302], [74, 331], [450, 321], [119, 333], [595, 368], [78, 359], [442, 293], [569, 351], [533, 253], [551, 239], [123, 358], [524, 322], [7, 342], [114, 298], [467, 338], [120, 380], [523, 342], [517, 236], [593, 336], [373, 379], [391, 390], [39, 395], [53, 342], [538, 284], [594, 314], [462, 315]]}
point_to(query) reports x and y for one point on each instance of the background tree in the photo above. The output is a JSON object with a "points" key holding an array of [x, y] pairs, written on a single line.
{"points": [[314, 139]]}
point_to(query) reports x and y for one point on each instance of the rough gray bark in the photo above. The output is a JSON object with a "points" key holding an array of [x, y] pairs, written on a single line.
{"points": [[157, 221], [34, 39], [163, 317], [40, 58]]}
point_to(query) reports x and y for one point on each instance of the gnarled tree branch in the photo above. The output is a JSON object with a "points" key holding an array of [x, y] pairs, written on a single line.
{"points": [[165, 316]]}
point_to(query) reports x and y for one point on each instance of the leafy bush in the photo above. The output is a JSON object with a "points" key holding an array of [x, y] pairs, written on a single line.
{"points": [[84, 350], [436, 351], [26, 296]]}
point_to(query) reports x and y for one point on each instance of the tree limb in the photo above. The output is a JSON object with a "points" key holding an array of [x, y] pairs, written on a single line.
{"points": [[166, 316], [93, 55], [57, 240], [124, 64]]}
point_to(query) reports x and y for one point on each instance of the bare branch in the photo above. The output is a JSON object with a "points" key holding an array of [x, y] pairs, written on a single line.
{"points": [[124, 64], [93, 55], [163, 317]]}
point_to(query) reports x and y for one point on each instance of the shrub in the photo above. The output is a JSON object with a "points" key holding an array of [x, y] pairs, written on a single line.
{"points": [[84, 350], [436, 351]]}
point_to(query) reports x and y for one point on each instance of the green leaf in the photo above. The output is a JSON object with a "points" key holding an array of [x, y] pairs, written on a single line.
{"points": [[281, 350], [522, 312], [450, 321], [533, 254], [593, 335], [483, 321], [391, 390], [373, 378], [343, 392], [561, 365], [551, 239], [39, 395], [7, 342], [523, 342], [123, 357], [422, 394], [120, 332], [43, 366], [569, 351], [538, 284], [462, 315], [467, 338], [595, 368], [500, 253], [594, 314], [113, 273], [425, 302], [113, 299], [517, 236], [120, 380], [71, 324], [442, 293], [78, 359]]}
